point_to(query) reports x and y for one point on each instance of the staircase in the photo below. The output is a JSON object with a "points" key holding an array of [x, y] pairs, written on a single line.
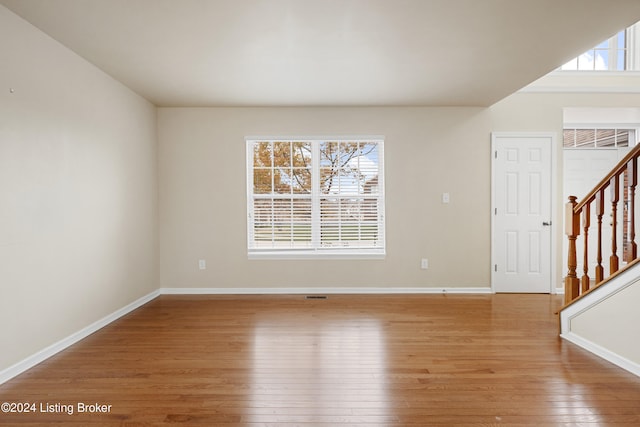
{"points": [[602, 308]]}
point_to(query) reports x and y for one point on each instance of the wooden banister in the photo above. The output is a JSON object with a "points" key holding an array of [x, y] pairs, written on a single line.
{"points": [[622, 164], [624, 176]]}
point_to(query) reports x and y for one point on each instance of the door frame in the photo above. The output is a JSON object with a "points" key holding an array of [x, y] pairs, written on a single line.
{"points": [[557, 224]]}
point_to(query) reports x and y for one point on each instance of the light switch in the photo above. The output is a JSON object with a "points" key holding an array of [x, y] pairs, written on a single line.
{"points": [[445, 197]]}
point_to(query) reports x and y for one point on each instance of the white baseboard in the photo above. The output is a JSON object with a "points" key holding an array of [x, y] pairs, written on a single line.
{"points": [[323, 290], [42, 355], [602, 352]]}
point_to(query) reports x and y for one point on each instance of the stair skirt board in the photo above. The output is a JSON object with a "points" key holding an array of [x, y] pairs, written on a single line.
{"points": [[617, 284]]}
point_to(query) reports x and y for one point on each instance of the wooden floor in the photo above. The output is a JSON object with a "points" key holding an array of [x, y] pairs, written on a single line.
{"points": [[373, 360]]}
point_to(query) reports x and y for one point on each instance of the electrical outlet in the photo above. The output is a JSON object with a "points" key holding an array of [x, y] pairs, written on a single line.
{"points": [[202, 264], [424, 263]]}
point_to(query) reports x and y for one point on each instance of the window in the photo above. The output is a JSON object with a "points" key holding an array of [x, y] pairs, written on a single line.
{"points": [[315, 197], [598, 138], [618, 53], [610, 55]]}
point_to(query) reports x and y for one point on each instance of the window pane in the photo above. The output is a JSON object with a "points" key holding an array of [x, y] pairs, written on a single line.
{"points": [[601, 60], [370, 212], [301, 153], [282, 154], [282, 223], [620, 40], [348, 150], [301, 221], [370, 151], [262, 154], [585, 138], [301, 181], [282, 220], [605, 138], [371, 186], [349, 180], [329, 154], [329, 221], [586, 61], [282, 182], [369, 167], [262, 181], [349, 222], [622, 138], [568, 137], [262, 220]]}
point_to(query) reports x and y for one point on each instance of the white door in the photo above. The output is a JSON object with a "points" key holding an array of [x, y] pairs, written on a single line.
{"points": [[521, 202]]}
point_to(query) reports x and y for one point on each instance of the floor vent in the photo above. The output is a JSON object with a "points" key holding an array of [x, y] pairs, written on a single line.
{"points": [[316, 297]]}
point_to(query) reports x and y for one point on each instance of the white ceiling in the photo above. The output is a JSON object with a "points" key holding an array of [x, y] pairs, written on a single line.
{"points": [[327, 52]]}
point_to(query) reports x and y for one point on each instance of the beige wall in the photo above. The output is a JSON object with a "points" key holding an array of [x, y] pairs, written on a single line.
{"points": [[428, 151], [78, 193]]}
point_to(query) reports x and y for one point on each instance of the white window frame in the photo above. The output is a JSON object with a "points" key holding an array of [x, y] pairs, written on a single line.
{"points": [[316, 250], [633, 48], [632, 137]]}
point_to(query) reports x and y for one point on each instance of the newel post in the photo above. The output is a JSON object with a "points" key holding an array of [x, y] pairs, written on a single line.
{"points": [[572, 230]]}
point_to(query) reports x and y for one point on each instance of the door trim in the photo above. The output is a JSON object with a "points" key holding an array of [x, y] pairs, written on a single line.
{"points": [[555, 283]]}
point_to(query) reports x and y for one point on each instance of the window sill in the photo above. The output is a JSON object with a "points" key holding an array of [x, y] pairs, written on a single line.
{"points": [[586, 82], [319, 255]]}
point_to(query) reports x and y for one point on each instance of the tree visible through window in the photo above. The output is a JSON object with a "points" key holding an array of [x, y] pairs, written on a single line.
{"points": [[310, 196]]}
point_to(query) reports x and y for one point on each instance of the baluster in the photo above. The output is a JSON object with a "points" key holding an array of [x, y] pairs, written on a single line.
{"points": [[632, 174], [586, 219], [599, 214], [572, 224], [615, 197]]}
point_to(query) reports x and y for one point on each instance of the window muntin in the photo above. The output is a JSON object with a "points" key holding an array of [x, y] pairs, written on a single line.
{"points": [[315, 197]]}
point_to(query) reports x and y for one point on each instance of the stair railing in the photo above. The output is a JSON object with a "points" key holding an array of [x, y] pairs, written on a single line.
{"points": [[578, 224]]}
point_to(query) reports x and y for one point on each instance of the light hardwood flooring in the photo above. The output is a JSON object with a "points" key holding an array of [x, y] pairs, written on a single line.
{"points": [[349, 360]]}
